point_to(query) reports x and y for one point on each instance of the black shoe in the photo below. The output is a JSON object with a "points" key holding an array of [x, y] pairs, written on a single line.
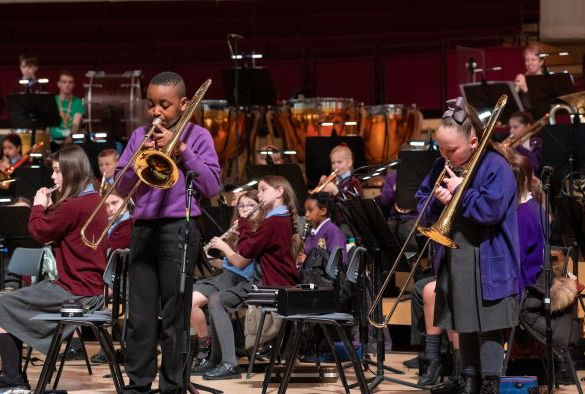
{"points": [[99, 358], [412, 363], [15, 383], [432, 373], [451, 387], [225, 370], [490, 385], [265, 353], [469, 384], [73, 354], [203, 366]]}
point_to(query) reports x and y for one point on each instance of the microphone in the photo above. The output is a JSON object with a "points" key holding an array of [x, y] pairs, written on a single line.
{"points": [[547, 171], [191, 175], [236, 36]]}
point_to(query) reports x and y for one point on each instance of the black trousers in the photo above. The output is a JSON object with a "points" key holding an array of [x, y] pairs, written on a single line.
{"points": [[154, 274]]}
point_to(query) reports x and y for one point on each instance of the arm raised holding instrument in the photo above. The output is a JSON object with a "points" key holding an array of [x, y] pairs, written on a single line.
{"points": [[159, 216], [477, 278]]}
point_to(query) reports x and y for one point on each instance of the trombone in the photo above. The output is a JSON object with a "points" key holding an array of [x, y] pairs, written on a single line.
{"points": [[322, 185], [156, 168], [438, 232]]}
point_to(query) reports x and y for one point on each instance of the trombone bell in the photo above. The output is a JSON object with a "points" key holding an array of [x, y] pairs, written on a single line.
{"points": [[438, 235], [156, 169]]}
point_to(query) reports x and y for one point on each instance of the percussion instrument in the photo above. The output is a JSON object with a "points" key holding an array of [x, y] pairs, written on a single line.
{"points": [[219, 118], [385, 128], [313, 117], [114, 103], [40, 136]]}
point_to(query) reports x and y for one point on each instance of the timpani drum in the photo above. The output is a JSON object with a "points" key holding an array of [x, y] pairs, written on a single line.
{"points": [[313, 117], [114, 103], [385, 128], [219, 118]]}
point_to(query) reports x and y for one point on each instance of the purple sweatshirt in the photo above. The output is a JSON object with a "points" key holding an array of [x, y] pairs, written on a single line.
{"points": [[531, 236], [333, 237], [199, 156], [489, 201]]}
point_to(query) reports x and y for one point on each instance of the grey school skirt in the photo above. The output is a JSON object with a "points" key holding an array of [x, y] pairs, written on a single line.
{"points": [[459, 303], [17, 308]]}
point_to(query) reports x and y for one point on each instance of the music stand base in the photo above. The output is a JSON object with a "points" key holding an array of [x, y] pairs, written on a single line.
{"points": [[194, 389]]}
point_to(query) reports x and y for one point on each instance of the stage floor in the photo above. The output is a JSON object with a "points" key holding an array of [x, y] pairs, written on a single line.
{"points": [[75, 379]]}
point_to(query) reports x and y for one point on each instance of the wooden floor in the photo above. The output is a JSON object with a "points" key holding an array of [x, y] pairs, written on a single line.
{"points": [[75, 379]]}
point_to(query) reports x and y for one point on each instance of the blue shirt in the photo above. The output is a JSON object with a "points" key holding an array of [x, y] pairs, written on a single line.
{"points": [[489, 200]]}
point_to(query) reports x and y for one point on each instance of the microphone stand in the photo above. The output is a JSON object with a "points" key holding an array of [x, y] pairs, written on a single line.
{"points": [[546, 174], [187, 384]]}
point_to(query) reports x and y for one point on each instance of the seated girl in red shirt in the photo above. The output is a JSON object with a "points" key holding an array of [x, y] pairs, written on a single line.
{"points": [[273, 245], [79, 268]]}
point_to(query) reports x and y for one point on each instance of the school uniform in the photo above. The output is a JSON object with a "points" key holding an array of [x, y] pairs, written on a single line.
{"points": [[80, 270], [120, 234], [156, 255], [531, 237], [477, 283], [329, 234], [271, 244], [349, 186]]}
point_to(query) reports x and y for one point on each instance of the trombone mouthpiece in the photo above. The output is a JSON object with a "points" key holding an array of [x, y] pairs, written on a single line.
{"points": [[157, 121]]}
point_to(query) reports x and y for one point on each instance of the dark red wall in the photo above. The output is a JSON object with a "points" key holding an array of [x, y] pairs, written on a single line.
{"points": [[377, 51]]}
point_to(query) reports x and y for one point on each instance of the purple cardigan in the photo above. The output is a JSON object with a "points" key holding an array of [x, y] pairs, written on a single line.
{"points": [[333, 237], [531, 234], [490, 200], [199, 156]]}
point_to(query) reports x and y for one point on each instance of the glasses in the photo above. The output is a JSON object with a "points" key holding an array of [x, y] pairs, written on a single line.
{"points": [[246, 206]]}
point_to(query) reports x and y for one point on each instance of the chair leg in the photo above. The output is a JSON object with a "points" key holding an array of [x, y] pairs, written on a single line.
{"points": [[50, 360], [298, 327], [275, 352], [569, 360], [334, 354], [107, 345], [359, 373], [27, 359], [62, 362], [84, 349], [508, 350], [256, 343]]}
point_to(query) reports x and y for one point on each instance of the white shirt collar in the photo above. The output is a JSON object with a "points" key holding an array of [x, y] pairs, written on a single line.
{"points": [[316, 230]]}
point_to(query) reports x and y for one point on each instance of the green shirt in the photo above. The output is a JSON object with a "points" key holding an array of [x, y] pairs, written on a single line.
{"points": [[69, 113]]}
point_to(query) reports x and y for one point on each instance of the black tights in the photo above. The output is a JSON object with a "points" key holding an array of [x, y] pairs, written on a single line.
{"points": [[11, 354], [482, 351]]}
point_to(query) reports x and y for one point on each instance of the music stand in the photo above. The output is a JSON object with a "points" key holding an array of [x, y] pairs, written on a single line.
{"points": [[563, 148], [368, 223], [30, 179], [291, 171], [543, 91], [33, 111], [317, 151], [13, 233], [484, 95], [254, 86], [413, 169]]}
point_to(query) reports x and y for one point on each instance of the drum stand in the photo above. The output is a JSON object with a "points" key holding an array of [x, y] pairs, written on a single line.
{"points": [[366, 221]]}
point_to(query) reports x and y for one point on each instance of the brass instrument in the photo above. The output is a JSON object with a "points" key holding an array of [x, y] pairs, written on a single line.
{"points": [[439, 231], [232, 228], [320, 187], [5, 179], [156, 168], [513, 141], [574, 105]]}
